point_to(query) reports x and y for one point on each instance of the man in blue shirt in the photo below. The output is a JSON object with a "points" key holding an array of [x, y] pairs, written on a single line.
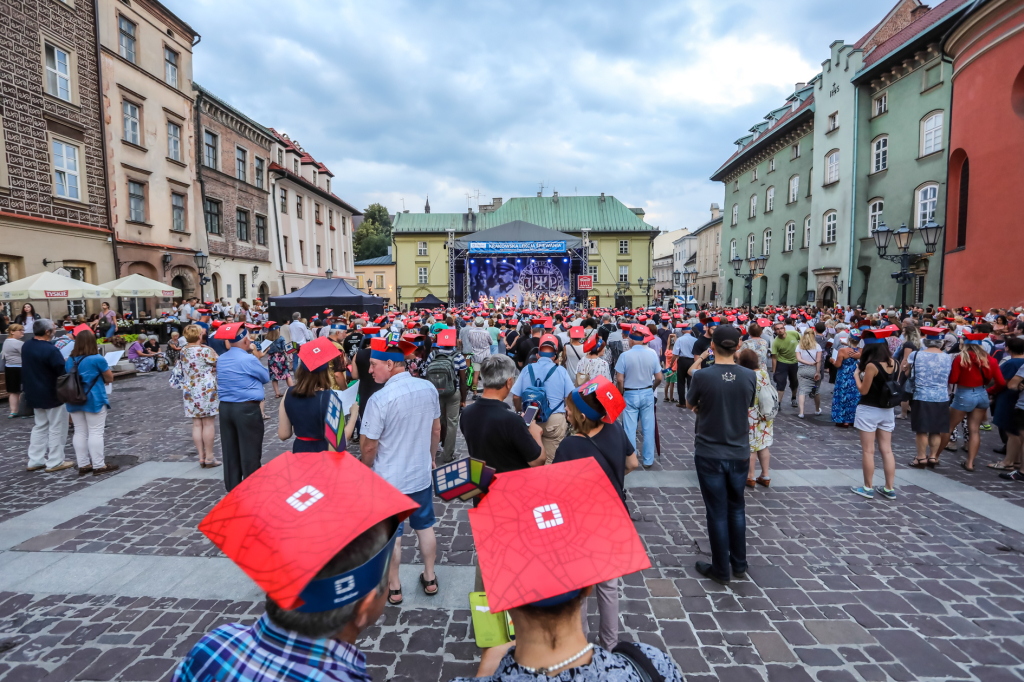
{"points": [[558, 386], [240, 380], [637, 375]]}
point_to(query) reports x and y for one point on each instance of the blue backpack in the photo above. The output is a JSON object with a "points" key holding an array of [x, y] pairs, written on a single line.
{"points": [[534, 394]]}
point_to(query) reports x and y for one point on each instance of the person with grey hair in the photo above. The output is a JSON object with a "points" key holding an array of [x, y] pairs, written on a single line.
{"points": [[477, 341], [41, 364]]}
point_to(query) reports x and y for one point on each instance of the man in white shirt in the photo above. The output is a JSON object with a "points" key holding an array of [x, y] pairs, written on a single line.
{"points": [[185, 311], [637, 375], [683, 350], [479, 342], [297, 330], [399, 434]]}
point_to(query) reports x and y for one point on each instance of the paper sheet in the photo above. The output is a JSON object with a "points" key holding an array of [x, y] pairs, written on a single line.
{"points": [[348, 397], [113, 357], [265, 345], [66, 350]]}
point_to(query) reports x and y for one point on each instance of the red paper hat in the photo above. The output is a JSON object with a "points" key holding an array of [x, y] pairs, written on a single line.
{"points": [[231, 332], [741, 318], [730, 318], [933, 332], [438, 317], [606, 394], [81, 328], [446, 338], [592, 343], [548, 340], [764, 322], [546, 531], [269, 325], [411, 324], [251, 326], [371, 330], [216, 324], [642, 318], [284, 522], [317, 353], [976, 337], [576, 332], [328, 311]]}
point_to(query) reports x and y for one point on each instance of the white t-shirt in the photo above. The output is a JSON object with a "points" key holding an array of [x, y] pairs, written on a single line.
{"points": [[808, 355]]}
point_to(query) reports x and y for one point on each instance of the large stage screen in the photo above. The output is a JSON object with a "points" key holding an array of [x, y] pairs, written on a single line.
{"points": [[516, 277]]}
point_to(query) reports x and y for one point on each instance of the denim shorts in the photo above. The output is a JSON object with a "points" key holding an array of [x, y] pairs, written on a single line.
{"points": [[967, 399], [423, 518]]}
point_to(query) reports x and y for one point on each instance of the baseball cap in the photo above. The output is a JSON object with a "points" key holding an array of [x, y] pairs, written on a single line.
{"points": [[726, 337]]}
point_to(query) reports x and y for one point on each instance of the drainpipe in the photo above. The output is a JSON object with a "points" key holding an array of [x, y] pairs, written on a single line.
{"points": [[103, 142], [199, 177], [952, 89], [277, 230], [853, 203]]}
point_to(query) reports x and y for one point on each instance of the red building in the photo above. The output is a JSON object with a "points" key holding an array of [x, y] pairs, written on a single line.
{"points": [[984, 240]]}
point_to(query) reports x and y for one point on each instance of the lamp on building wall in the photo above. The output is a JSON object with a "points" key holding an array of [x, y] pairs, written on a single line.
{"points": [[838, 282], [166, 260], [255, 273], [201, 261], [329, 273]]}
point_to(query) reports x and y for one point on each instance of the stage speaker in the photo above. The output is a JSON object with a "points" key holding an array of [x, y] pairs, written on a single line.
{"points": [[460, 265], [577, 267]]}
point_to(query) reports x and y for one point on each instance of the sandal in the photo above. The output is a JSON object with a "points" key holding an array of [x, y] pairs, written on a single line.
{"points": [[750, 483], [764, 481], [963, 465], [933, 462], [918, 464], [212, 464], [429, 583], [391, 597], [1000, 467]]}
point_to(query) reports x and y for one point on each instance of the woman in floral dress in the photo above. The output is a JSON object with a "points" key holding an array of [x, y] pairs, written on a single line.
{"points": [[277, 361], [198, 379], [846, 395], [592, 365], [761, 430]]}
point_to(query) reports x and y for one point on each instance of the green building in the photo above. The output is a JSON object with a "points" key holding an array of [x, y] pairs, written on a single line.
{"points": [[867, 137]]}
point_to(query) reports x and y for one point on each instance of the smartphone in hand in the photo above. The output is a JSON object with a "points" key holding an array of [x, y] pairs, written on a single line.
{"points": [[530, 414]]}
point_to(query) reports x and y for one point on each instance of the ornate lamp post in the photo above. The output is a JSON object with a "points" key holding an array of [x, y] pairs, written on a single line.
{"points": [[645, 287], [756, 265], [201, 262], [398, 292], [903, 237]]}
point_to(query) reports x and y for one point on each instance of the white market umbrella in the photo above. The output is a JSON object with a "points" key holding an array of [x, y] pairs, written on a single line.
{"points": [[135, 286], [47, 286]]}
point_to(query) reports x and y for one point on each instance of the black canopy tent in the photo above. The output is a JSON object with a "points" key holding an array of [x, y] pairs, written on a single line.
{"points": [[312, 299], [428, 301]]}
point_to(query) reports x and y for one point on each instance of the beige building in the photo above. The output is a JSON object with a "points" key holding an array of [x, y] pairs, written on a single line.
{"points": [[376, 276], [149, 119], [708, 287]]}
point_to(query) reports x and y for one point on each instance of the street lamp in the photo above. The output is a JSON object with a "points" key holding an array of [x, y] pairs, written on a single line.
{"points": [[201, 261], [621, 287], [903, 236], [398, 291], [756, 265], [329, 273], [645, 287]]}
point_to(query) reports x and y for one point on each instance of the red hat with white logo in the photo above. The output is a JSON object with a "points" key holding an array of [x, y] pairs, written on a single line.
{"points": [[317, 353]]}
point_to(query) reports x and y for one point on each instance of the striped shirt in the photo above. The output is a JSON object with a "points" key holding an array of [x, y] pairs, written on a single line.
{"points": [[263, 652], [400, 416], [458, 359]]}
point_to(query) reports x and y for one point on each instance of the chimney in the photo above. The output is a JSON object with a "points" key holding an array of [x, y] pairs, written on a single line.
{"points": [[715, 211], [602, 196], [496, 202], [539, 194], [405, 211], [389, 251], [555, 196], [918, 12], [799, 86]]}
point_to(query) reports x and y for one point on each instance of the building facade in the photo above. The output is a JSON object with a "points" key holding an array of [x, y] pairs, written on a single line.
{"points": [[312, 225], [619, 242], [708, 286], [376, 276], [983, 247], [862, 143], [53, 202], [148, 108], [234, 206]]}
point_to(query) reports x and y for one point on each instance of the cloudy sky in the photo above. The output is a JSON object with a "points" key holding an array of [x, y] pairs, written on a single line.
{"points": [[402, 100]]}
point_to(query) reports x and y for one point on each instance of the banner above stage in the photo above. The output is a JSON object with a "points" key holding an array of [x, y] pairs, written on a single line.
{"points": [[518, 247]]}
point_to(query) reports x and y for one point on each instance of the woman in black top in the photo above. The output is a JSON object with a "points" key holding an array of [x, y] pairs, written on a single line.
{"points": [[303, 411], [608, 444], [874, 419]]}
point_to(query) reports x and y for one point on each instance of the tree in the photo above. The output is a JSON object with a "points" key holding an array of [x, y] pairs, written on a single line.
{"points": [[378, 214], [370, 241]]}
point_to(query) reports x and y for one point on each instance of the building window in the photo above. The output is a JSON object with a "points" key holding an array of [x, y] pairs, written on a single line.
{"points": [[284, 201], [126, 38], [317, 255], [794, 188], [624, 273], [131, 123], [174, 141], [171, 67], [136, 202], [927, 198], [831, 221], [421, 248], [880, 152], [881, 104], [242, 225], [623, 246], [964, 193], [753, 175], [58, 72], [316, 213], [280, 157], [919, 288], [210, 147], [875, 214], [753, 205], [298, 206], [735, 213], [796, 150], [807, 232], [378, 282], [344, 225], [76, 306], [732, 250], [771, 164], [295, 166], [211, 210], [314, 178], [790, 236], [261, 230], [769, 199], [302, 251], [767, 246], [178, 212], [359, 282], [592, 270], [931, 134], [832, 167], [422, 277], [330, 218], [66, 171], [751, 242], [287, 258], [241, 286], [240, 163], [328, 181], [259, 172], [735, 185], [332, 259], [593, 246], [833, 121]]}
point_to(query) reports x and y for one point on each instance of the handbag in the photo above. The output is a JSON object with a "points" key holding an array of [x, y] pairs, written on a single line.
{"points": [[177, 378]]}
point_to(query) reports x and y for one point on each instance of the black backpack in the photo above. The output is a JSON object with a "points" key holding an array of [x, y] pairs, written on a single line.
{"points": [[70, 389]]}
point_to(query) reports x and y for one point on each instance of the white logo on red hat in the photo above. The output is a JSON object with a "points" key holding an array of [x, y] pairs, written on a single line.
{"points": [[548, 516], [304, 497], [316, 350]]}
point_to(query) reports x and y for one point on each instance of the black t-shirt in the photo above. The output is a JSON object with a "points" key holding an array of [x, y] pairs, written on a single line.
{"points": [[722, 394], [523, 348], [351, 343], [367, 385], [612, 449], [699, 346], [510, 338], [498, 436]]}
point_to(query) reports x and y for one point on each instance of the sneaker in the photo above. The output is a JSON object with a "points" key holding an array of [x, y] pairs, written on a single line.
{"points": [[60, 467], [864, 492], [885, 492], [799, 416], [986, 427], [1013, 476], [817, 412], [704, 568], [794, 404]]}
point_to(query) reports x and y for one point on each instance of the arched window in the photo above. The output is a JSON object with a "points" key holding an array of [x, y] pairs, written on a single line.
{"points": [[769, 199], [790, 236], [961, 213], [753, 205], [831, 222], [735, 213], [927, 199], [732, 249], [794, 188], [832, 167], [875, 207], [880, 154], [807, 232], [767, 246], [751, 241], [931, 133]]}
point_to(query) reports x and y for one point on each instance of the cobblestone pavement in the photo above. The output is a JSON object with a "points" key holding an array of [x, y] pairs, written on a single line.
{"points": [[840, 588]]}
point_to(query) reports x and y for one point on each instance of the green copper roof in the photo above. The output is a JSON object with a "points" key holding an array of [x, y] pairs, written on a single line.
{"points": [[567, 214]]}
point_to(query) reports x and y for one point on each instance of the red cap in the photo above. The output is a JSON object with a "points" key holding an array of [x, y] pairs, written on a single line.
{"points": [[446, 338], [546, 531], [576, 332], [81, 328], [548, 340], [328, 312], [231, 332], [592, 342], [317, 353], [286, 520]]}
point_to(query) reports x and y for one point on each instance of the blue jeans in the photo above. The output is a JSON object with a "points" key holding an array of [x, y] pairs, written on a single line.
{"points": [[640, 406], [722, 484], [969, 399], [111, 331]]}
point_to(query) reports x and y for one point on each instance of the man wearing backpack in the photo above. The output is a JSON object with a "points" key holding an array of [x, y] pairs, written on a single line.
{"points": [[546, 385], [446, 370]]}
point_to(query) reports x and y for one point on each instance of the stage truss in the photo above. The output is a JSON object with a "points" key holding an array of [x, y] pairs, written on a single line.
{"points": [[578, 264]]}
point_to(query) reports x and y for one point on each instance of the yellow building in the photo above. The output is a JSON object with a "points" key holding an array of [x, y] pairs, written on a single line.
{"points": [[376, 276], [619, 242]]}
